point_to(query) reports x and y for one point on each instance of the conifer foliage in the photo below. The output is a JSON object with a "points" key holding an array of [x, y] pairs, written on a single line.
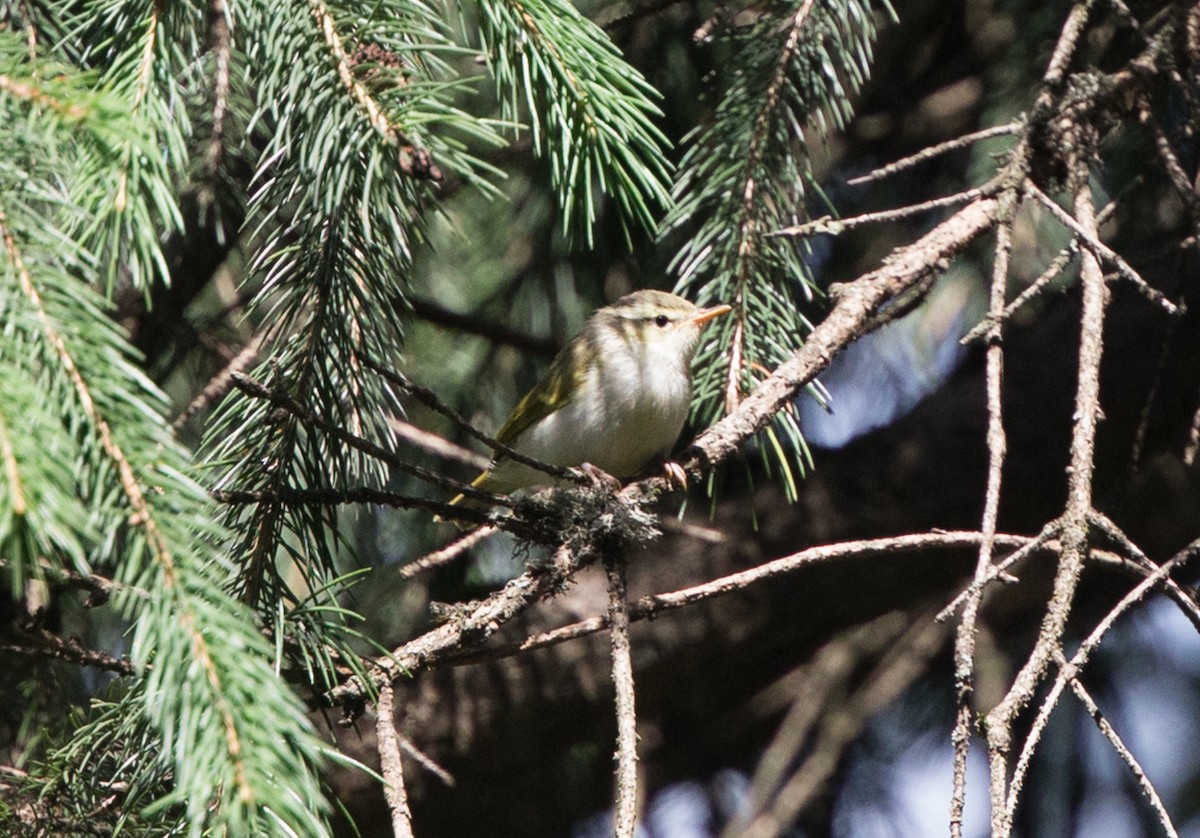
{"points": [[119, 115]]}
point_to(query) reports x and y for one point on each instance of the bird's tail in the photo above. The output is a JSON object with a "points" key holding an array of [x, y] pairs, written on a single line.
{"points": [[479, 482]]}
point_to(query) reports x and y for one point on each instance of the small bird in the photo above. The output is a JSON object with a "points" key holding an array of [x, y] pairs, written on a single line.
{"points": [[613, 399]]}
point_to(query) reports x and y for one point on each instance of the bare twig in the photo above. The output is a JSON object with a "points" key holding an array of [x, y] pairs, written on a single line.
{"points": [[100, 588], [964, 642], [652, 605], [362, 494], [40, 643], [1056, 267], [836, 226], [496, 333], [428, 398], [1181, 595], [1125, 754], [219, 384], [625, 799], [1090, 239], [251, 387], [1042, 541], [936, 150], [1075, 526], [437, 445], [1184, 596], [390, 765], [425, 761], [448, 553], [472, 628], [1073, 667]]}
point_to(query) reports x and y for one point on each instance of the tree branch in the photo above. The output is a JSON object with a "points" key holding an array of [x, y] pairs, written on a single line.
{"points": [[390, 765], [1075, 524], [625, 802], [964, 642]]}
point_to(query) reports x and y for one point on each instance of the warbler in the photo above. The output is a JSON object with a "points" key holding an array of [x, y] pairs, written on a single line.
{"points": [[614, 399]]}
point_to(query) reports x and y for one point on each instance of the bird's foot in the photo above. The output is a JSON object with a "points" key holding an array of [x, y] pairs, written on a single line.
{"points": [[675, 475], [601, 478]]}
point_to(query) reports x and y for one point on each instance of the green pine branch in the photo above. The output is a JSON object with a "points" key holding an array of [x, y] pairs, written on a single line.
{"points": [[358, 118], [95, 481], [142, 51], [590, 114], [746, 175]]}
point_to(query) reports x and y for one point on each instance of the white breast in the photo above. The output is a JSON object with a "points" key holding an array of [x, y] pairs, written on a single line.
{"points": [[631, 410]]}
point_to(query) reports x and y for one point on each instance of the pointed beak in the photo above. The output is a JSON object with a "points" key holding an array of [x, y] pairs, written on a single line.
{"points": [[705, 314]]}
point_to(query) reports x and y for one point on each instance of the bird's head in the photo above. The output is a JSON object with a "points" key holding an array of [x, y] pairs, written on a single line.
{"points": [[662, 324]]}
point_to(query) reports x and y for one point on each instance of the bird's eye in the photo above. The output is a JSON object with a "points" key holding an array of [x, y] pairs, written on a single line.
{"points": [[661, 321]]}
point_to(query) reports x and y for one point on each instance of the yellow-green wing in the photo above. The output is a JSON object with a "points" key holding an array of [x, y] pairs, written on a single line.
{"points": [[557, 387]]}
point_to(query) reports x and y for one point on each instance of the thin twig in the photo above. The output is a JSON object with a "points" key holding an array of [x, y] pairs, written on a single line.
{"points": [[1125, 754], [251, 387], [1178, 594], [1075, 665], [40, 643], [470, 629], [1090, 239], [1041, 541], [448, 553], [625, 799], [1075, 525], [390, 765], [425, 761], [492, 331], [652, 605], [101, 588], [1056, 267], [437, 445], [219, 384], [932, 151], [1052, 271], [964, 642], [363, 494], [430, 399], [1185, 597], [831, 226]]}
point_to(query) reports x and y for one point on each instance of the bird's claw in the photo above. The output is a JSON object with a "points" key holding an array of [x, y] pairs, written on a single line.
{"points": [[600, 477], [675, 475]]}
